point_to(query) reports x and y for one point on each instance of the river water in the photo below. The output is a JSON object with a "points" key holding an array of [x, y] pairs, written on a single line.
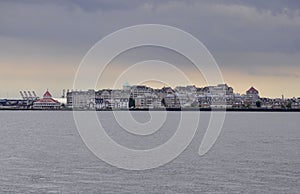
{"points": [[42, 152]]}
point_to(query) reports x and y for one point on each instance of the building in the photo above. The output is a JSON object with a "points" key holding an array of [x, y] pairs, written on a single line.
{"points": [[252, 95], [81, 99], [171, 101], [148, 101], [47, 102], [221, 90], [120, 99], [183, 99], [141, 96], [121, 102], [295, 105], [140, 90], [104, 99], [112, 99]]}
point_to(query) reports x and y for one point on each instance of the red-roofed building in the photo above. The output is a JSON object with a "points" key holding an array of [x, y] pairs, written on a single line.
{"points": [[47, 102], [252, 90], [252, 94]]}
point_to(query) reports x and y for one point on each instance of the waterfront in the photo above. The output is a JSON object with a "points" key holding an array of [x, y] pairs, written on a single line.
{"points": [[41, 151], [142, 97]]}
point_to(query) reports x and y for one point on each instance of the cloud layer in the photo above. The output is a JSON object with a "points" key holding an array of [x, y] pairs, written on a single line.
{"points": [[246, 36]]}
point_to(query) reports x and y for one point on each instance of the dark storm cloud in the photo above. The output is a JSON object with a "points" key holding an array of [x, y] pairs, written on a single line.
{"points": [[231, 26], [245, 37], [221, 25]]}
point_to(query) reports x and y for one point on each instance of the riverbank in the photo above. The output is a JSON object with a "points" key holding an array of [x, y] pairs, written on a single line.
{"points": [[161, 109]]}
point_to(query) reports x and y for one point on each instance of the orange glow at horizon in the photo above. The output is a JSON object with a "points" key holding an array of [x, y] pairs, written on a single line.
{"points": [[15, 77]]}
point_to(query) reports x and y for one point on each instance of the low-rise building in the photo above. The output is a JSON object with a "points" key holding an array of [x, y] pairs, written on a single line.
{"points": [[252, 95], [47, 102], [295, 105], [81, 99], [139, 90]]}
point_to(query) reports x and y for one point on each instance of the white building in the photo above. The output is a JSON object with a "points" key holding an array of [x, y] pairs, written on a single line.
{"points": [[81, 99], [148, 101]]}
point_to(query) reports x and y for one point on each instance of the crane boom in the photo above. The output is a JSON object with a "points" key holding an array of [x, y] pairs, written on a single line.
{"points": [[35, 96], [30, 96], [22, 95], [25, 93]]}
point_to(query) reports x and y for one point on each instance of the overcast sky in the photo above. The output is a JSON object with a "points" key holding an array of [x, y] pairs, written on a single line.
{"points": [[256, 43]]}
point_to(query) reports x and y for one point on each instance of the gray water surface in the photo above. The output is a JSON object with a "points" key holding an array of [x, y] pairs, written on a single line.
{"points": [[42, 152]]}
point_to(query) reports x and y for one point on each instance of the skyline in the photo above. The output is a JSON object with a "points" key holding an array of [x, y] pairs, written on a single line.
{"points": [[255, 43], [151, 84]]}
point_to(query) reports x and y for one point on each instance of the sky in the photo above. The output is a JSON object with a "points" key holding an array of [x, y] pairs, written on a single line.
{"points": [[255, 43]]}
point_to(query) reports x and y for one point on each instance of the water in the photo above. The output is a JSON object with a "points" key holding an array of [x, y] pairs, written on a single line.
{"points": [[255, 153]]}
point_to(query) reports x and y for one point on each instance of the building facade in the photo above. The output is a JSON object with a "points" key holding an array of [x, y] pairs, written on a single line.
{"points": [[81, 99], [47, 102]]}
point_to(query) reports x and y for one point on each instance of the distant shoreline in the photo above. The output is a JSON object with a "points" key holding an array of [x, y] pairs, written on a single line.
{"points": [[167, 109]]}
